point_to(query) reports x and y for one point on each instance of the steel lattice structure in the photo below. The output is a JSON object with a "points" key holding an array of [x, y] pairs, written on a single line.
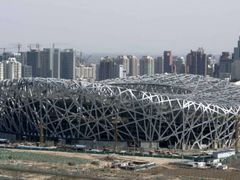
{"points": [[184, 111]]}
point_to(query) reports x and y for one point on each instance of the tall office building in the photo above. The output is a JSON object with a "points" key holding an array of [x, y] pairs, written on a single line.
{"points": [[33, 60], [225, 63], [235, 67], [236, 54], [147, 65], [12, 69], [158, 65], [67, 64], [197, 62], [179, 65], [45, 63], [134, 65], [55, 63], [167, 62]]}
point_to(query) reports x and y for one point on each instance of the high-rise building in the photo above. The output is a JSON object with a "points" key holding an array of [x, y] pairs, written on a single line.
{"points": [[158, 65], [197, 62], [123, 60], [225, 63], [12, 69], [211, 61], [86, 72], [179, 65], [235, 67], [67, 64], [6, 55], [26, 70], [134, 65], [108, 68], [33, 60], [55, 65], [236, 54], [1, 71], [147, 65], [45, 63], [167, 62]]}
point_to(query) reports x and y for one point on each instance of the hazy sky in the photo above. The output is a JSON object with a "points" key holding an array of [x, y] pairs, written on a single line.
{"points": [[149, 26]]}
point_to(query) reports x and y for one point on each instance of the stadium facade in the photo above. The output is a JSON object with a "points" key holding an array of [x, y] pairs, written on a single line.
{"points": [[180, 111]]}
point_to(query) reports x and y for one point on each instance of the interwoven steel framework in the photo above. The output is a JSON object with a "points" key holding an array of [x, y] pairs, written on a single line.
{"points": [[182, 111]]}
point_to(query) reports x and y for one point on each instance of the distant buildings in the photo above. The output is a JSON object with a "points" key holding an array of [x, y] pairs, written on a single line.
{"points": [[225, 63], [158, 65], [1, 71], [33, 60], [147, 65], [26, 71], [134, 65], [109, 69], [123, 60], [197, 63], [168, 62], [11, 69], [86, 72], [44, 69], [67, 64], [179, 65], [55, 66], [235, 67]]}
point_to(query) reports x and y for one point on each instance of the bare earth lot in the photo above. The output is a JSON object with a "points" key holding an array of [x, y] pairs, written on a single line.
{"points": [[26, 164]]}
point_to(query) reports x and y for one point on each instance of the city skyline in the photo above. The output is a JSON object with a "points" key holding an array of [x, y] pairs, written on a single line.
{"points": [[122, 27]]}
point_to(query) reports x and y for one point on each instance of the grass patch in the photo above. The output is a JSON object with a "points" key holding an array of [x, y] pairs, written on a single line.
{"points": [[29, 156]]}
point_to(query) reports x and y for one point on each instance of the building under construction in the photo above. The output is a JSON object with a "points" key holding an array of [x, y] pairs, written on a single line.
{"points": [[177, 111]]}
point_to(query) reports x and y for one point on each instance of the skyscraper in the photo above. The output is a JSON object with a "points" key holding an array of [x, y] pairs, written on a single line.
{"points": [[197, 62], [33, 60], [235, 67], [67, 64], [45, 63], [158, 65], [134, 65], [147, 65], [225, 63], [55, 66], [179, 65], [167, 62], [236, 54]]}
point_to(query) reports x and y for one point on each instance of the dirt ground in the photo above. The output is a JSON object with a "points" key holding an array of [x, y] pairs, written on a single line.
{"points": [[158, 161], [98, 167]]}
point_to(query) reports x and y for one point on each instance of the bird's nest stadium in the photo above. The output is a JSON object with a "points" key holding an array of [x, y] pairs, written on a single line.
{"points": [[182, 111]]}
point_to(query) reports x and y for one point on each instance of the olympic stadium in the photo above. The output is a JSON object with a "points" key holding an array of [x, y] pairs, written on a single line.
{"points": [[181, 111]]}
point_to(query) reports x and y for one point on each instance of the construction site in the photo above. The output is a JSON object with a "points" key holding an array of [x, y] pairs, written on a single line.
{"points": [[46, 164]]}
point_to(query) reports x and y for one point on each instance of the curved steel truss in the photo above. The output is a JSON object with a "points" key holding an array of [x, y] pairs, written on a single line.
{"points": [[182, 111]]}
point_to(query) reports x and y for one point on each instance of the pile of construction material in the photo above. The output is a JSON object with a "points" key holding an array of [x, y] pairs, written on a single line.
{"points": [[132, 165]]}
